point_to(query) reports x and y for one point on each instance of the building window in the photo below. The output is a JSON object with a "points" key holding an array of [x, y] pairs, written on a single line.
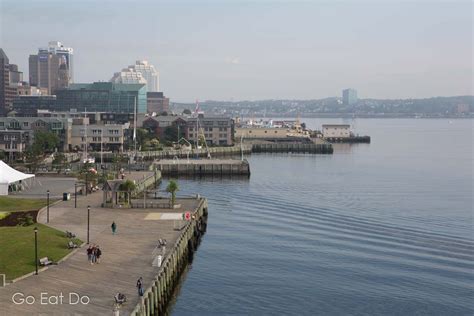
{"points": [[25, 124]]}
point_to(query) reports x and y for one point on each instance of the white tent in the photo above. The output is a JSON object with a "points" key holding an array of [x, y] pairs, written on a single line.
{"points": [[9, 176]]}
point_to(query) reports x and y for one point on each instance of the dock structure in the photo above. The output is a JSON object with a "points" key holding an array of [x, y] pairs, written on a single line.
{"points": [[281, 147], [76, 287], [350, 140], [203, 167]]}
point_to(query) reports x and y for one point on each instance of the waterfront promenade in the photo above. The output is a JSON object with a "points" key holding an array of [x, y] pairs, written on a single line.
{"points": [[126, 256]]}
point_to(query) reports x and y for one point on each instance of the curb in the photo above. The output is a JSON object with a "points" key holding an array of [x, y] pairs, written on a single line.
{"points": [[45, 208]]}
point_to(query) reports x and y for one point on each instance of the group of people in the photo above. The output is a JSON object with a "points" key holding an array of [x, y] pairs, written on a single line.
{"points": [[94, 253]]}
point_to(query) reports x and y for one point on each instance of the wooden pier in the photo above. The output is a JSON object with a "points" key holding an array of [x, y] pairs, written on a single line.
{"points": [[126, 256]]}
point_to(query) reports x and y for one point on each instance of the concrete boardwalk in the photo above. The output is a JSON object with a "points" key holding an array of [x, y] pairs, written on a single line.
{"points": [[126, 256]]}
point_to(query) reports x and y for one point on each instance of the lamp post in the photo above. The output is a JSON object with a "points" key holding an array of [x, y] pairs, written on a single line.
{"points": [[87, 171], [88, 221], [75, 195], [47, 201], [36, 250]]}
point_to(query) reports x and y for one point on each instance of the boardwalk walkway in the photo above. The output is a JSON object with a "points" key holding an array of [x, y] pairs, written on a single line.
{"points": [[126, 257]]}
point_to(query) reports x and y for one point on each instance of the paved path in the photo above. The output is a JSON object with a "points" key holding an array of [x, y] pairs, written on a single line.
{"points": [[126, 257]]}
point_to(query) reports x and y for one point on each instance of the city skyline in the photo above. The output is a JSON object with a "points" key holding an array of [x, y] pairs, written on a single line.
{"points": [[259, 50]]}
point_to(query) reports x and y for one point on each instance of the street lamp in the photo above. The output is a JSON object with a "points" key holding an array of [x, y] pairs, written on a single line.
{"points": [[36, 250], [87, 171], [47, 201], [75, 195], [88, 221]]}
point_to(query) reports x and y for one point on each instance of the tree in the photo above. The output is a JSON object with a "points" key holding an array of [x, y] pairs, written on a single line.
{"points": [[164, 113], [142, 136], [171, 133], [155, 144], [128, 186], [172, 188], [89, 175], [187, 111], [45, 142], [118, 161], [59, 161]]}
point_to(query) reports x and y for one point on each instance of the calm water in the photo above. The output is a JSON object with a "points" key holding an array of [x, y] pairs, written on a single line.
{"points": [[379, 229]]}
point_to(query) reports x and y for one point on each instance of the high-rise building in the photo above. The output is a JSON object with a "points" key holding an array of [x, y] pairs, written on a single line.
{"points": [[52, 67], [8, 78], [141, 72], [102, 97], [67, 55], [128, 75], [349, 96]]}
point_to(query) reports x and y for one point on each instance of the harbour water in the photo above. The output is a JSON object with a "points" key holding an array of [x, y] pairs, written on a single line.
{"points": [[375, 229]]}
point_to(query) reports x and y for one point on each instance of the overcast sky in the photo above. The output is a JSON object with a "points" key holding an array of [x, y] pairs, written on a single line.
{"points": [[261, 49]]}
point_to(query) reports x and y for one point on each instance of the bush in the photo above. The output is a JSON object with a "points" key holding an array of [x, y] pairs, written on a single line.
{"points": [[25, 220]]}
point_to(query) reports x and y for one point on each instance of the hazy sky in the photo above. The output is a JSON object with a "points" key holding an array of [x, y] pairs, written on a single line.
{"points": [[258, 49]]}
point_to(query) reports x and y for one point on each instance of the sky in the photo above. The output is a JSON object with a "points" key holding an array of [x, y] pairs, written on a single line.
{"points": [[261, 49]]}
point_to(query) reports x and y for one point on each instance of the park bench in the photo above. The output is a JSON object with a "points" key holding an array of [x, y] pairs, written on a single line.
{"points": [[120, 298], [161, 242], [45, 261], [71, 245]]}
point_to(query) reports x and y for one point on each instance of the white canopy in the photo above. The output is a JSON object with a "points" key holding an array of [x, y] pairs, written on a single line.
{"points": [[8, 175]]}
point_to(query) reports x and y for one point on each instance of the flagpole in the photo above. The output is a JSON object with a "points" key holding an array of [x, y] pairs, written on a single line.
{"points": [[135, 126]]}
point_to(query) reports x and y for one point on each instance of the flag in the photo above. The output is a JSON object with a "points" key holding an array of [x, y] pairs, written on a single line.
{"points": [[196, 110]]}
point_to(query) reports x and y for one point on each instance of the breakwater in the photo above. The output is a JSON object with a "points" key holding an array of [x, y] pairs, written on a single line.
{"points": [[158, 295]]}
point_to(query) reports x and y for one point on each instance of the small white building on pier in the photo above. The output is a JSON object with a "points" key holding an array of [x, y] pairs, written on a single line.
{"points": [[336, 131]]}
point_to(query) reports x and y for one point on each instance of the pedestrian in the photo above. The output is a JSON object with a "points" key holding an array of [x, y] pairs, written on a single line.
{"points": [[140, 286], [89, 254], [94, 254], [114, 228], [98, 253]]}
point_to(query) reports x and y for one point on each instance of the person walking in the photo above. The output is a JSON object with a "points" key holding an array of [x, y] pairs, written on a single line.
{"points": [[94, 254], [140, 286], [114, 228], [98, 253], [89, 254]]}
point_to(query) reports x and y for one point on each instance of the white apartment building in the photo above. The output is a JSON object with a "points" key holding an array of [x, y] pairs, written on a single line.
{"points": [[108, 137]]}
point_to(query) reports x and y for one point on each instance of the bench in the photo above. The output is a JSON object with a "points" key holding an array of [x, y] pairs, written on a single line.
{"points": [[45, 261]]}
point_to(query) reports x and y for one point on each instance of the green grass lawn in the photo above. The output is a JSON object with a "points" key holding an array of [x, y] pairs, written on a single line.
{"points": [[17, 248], [9, 204]]}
